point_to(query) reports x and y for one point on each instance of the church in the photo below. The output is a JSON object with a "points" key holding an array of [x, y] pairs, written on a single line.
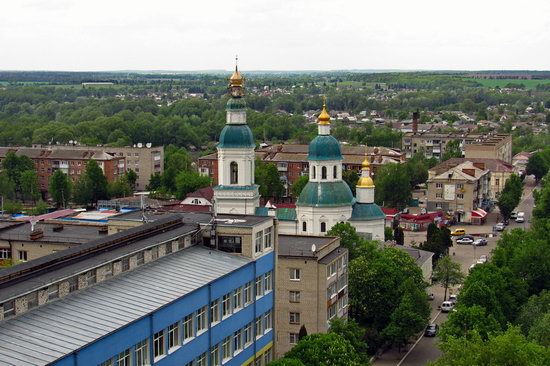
{"points": [[325, 200]]}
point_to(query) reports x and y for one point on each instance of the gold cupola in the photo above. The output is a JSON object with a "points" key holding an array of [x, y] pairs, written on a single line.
{"points": [[324, 117], [365, 181], [236, 78]]}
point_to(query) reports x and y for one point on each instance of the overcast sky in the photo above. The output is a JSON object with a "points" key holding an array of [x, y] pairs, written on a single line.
{"points": [[274, 35]]}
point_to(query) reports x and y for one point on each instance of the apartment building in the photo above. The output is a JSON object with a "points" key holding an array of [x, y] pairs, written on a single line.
{"points": [[151, 295], [462, 191], [312, 279], [492, 146]]}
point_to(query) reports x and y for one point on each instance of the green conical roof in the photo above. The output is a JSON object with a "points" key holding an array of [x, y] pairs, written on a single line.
{"points": [[324, 147], [236, 136], [326, 194]]}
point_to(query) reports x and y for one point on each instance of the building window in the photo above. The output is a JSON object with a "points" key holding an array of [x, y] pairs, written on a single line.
{"points": [[258, 242], [293, 338], [268, 356], [230, 244], [459, 185], [107, 363], [125, 264], [53, 292], [439, 185], [268, 284], [124, 359], [90, 277], [331, 312], [238, 298], [201, 319], [268, 321], [259, 287], [304, 226], [73, 284], [215, 311], [142, 353], [324, 172], [226, 305], [154, 252], [158, 344], [226, 348], [323, 227], [439, 195], [314, 173], [23, 255], [497, 181], [335, 172], [259, 327], [188, 327], [8, 309], [460, 196], [140, 259], [438, 206], [5, 254], [168, 248], [215, 356], [108, 270], [248, 334], [174, 335], [294, 318], [294, 296], [201, 360], [248, 293], [331, 269], [238, 341], [295, 274], [268, 237], [234, 167]]}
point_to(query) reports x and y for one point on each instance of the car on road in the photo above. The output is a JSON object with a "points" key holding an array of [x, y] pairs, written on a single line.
{"points": [[500, 226], [453, 298], [446, 306], [458, 232], [465, 240], [520, 217], [431, 297], [480, 242], [431, 330], [513, 215], [483, 258]]}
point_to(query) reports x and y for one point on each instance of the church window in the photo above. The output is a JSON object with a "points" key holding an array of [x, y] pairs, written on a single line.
{"points": [[324, 172], [234, 173], [304, 226], [314, 172], [323, 227], [335, 172]]}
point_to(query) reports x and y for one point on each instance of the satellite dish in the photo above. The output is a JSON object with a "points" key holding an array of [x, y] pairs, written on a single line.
{"points": [[71, 142], [148, 145], [140, 145], [313, 248], [134, 145]]}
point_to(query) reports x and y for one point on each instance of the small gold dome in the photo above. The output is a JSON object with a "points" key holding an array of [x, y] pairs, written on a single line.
{"points": [[365, 164], [236, 79], [324, 117], [365, 182]]}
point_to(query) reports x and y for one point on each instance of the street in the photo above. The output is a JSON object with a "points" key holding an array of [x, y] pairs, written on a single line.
{"points": [[426, 349]]}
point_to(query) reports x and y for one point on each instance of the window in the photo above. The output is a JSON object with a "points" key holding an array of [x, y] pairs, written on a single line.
{"points": [[259, 287], [201, 360], [32, 300], [215, 311], [123, 358], [188, 327], [108, 270], [5, 254], [343, 301], [268, 237], [174, 335], [268, 284], [226, 305], [497, 181], [226, 348], [438, 206], [294, 318], [154, 253], [293, 338], [238, 340], [53, 292], [459, 185], [140, 259], [323, 227], [268, 320], [314, 173], [295, 274], [125, 264], [238, 298], [8, 309], [201, 319], [259, 327], [158, 344], [268, 356], [439, 185], [107, 363], [230, 244], [324, 172], [168, 248], [90, 277], [331, 312], [248, 293], [331, 290], [248, 334], [304, 226], [215, 356], [234, 167], [439, 195], [258, 242], [460, 196], [22, 255], [294, 296], [142, 353], [335, 172]]}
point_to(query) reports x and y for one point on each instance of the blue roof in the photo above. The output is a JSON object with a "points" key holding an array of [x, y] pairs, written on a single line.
{"points": [[283, 214], [236, 136], [366, 212], [326, 194], [324, 147]]}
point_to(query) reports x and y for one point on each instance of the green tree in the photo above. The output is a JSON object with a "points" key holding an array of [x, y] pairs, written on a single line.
{"points": [[537, 166], [119, 188], [417, 169], [393, 188], [303, 332], [12, 207], [41, 208], [388, 233], [131, 178], [540, 331], [267, 177], [478, 293], [60, 188], [351, 177], [15, 165], [452, 150], [299, 185], [351, 331], [468, 319], [506, 204], [29, 185], [155, 182], [97, 182], [83, 191], [7, 186], [448, 273], [533, 310], [399, 235], [187, 182], [325, 349], [286, 362], [350, 240]]}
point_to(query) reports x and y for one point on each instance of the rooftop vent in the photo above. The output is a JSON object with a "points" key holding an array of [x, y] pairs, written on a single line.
{"points": [[57, 228], [103, 229], [37, 234]]}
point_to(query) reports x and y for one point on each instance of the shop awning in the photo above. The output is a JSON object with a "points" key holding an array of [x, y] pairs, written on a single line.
{"points": [[479, 213]]}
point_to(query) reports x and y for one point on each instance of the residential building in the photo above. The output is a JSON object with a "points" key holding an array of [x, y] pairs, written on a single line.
{"points": [[520, 160], [422, 258], [492, 146], [312, 279], [157, 294], [462, 191]]}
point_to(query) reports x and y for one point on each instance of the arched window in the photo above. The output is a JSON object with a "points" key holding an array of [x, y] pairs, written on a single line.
{"points": [[335, 172], [304, 226], [234, 167], [324, 172], [314, 172], [323, 227]]}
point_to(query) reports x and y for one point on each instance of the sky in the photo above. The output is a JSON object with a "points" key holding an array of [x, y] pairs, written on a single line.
{"points": [[107, 35]]}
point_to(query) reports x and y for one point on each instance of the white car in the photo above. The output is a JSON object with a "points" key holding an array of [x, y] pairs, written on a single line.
{"points": [[500, 226], [453, 298], [513, 215], [483, 258], [447, 306], [520, 217]]}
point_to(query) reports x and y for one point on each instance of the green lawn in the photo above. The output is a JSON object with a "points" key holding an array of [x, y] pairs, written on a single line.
{"points": [[492, 83]]}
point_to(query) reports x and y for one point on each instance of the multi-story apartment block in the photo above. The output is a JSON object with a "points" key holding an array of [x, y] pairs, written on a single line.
{"points": [[312, 279], [491, 146], [156, 294], [462, 191]]}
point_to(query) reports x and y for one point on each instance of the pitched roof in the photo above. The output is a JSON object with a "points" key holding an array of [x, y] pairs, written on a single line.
{"points": [[206, 193], [458, 173], [494, 165]]}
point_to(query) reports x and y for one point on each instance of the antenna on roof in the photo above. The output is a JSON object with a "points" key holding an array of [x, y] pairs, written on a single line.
{"points": [[313, 248], [142, 206]]}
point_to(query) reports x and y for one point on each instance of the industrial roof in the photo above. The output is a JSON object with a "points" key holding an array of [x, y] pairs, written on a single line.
{"points": [[55, 330], [300, 245], [69, 234]]}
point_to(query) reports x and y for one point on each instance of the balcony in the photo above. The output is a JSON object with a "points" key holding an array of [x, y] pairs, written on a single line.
{"points": [[282, 167]]}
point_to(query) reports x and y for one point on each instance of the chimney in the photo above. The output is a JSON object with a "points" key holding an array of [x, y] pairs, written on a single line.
{"points": [[480, 165], [416, 116], [36, 234], [471, 172]]}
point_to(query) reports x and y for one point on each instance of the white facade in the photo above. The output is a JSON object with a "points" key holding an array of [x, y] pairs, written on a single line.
{"points": [[319, 220]]}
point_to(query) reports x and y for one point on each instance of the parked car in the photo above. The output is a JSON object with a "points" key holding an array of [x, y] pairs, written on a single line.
{"points": [[520, 217], [480, 242], [431, 297], [458, 232], [465, 240], [453, 298], [500, 226], [446, 306], [472, 267], [513, 215], [431, 330], [483, 258]]}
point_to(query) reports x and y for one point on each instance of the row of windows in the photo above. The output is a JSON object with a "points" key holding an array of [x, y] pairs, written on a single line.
{"points": [[139, 353], [337, 265], [458, 185], [324, 172], [322, 226], [459, 196], [263, 240]]}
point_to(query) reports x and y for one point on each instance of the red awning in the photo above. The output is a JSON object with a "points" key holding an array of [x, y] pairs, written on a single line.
{"points": [[479, 213]]}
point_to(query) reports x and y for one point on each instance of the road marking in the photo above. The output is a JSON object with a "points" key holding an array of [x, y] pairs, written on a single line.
{"points": [[418, 340]]}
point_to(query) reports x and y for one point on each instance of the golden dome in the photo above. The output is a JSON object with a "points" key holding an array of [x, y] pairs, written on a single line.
{"points": [[365, 182], [365, 164], [236, 79], [324, 117]]}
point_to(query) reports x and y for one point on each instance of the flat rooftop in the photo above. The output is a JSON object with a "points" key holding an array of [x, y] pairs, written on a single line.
{"points": [[300, 245], [69, 234], [195, 217], [59, 328]]}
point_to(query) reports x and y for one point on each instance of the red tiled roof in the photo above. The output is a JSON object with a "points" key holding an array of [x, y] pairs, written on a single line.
{"points": [[206, 193]]}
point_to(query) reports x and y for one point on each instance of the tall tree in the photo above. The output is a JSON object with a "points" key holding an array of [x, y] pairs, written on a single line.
{"points": [[267, 177], [7, 186], [187, 182], [351, 177], [393, 188], [351, 331], [299, 185], [537, 166], [452, 150], [155, 182], [97, 181], [325, 349], [29, 185], [60, 188], [467, 320], [448, 273], [131, 178]]}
